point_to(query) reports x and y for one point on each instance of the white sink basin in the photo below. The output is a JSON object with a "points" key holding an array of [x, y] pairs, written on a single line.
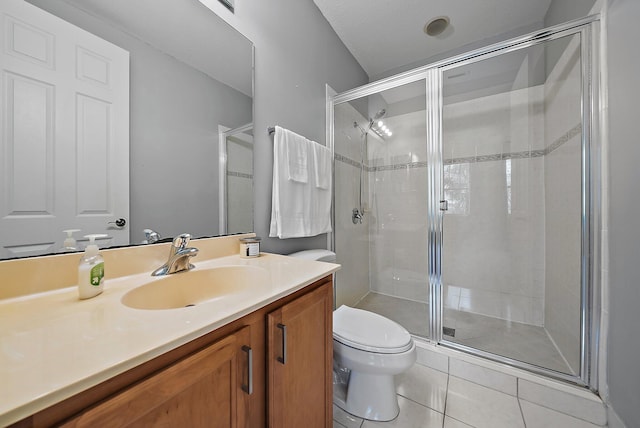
{"points": [[185, 289]]}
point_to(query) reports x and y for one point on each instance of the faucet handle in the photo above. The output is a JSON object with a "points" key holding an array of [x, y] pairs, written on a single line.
{"points": [[181, 241], [151, 236]]}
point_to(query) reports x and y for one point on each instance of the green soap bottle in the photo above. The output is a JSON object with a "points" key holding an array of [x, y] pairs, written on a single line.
{"points": [[91, 270]]}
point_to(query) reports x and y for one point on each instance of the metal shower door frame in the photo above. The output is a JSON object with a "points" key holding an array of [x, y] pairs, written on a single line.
{"points": [[590, 190]]}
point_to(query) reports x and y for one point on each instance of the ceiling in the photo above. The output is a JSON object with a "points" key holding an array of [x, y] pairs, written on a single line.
{"points": [[186, 30], [384, 34]]}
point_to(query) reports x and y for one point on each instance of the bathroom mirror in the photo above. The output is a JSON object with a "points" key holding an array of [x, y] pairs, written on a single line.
{"points": [[190, 75]]}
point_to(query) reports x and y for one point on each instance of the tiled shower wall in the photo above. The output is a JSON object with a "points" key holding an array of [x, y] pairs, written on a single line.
{"points": [[398, 194], [391, 242], [492, 215], [351, 240]]}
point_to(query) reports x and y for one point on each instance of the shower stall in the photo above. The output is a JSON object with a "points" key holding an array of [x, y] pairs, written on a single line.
{"points": [[466, 203]]}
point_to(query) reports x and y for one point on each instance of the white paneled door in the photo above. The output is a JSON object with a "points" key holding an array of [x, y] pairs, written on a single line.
{"points": [[65, 133]]}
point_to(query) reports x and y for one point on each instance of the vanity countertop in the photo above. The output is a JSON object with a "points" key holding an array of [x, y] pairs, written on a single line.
{"points": [[53, 346]]}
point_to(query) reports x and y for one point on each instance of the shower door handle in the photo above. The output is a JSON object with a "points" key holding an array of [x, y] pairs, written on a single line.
{"points": [[283, 359], [444, 205]]}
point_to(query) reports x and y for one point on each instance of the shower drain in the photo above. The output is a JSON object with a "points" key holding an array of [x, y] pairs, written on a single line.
{"points": [[448, 331]]}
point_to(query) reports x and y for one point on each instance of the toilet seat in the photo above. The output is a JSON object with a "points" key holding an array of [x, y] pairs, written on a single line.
{"points": [[369, 332]]}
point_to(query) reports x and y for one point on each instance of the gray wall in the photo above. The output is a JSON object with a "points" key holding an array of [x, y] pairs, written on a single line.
{"points": [[296, 54], [174, 115], [566, 10], [561, 11], [624, 229]]}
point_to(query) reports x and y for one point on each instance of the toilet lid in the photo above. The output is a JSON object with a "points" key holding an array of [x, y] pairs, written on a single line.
{"points": [[369, 332]]}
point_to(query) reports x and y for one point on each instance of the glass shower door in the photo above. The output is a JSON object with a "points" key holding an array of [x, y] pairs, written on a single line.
{"points": [[380, 201], [513, 220]]}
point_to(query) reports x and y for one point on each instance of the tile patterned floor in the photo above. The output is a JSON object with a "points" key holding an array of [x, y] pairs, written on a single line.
{"points": [[429, 398], [511, 339]]}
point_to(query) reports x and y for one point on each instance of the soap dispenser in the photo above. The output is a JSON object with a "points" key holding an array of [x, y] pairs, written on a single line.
{"points": [[91, 270], [69, 244]]}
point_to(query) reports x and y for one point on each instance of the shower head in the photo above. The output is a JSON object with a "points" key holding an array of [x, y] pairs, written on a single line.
{"points": [[377, 126], [379, 115], [371, 125]]}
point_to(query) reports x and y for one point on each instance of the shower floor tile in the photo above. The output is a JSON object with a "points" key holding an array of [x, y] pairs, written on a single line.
{"points": [[522, 342], [414, 316]]}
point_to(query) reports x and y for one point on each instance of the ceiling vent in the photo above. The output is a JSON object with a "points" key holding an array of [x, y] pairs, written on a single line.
{"points": [[436, 26]]}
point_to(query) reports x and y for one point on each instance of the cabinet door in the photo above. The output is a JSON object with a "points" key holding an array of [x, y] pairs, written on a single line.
{"points": [[300, 351], [207, 389]]}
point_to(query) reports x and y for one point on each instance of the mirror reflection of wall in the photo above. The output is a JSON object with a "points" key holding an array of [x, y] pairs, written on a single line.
{"points": [[189, 73]]}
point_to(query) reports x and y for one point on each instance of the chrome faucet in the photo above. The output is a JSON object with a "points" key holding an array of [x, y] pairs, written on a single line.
{"points": [[179, 256]]}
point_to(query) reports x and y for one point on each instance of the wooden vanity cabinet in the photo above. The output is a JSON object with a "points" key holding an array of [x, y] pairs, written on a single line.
{"points": [[205, 383], [299, 362], [205, 389]]}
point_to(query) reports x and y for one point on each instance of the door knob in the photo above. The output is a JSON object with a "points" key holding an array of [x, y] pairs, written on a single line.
{"points": [[121, 222]]}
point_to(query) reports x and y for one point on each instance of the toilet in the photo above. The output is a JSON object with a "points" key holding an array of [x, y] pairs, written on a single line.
{"points": [[368, 351]]}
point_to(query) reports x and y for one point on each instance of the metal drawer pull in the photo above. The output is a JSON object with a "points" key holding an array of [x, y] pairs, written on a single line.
{"points": [[283, 359], [249, 387]]}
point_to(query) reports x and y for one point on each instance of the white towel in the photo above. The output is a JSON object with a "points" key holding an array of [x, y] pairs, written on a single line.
{"points": [[297, 154], [322, 164], [320, 219], [298, 209]]}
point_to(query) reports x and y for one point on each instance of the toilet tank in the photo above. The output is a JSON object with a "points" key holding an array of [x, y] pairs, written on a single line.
{"points": [[318, 255]]}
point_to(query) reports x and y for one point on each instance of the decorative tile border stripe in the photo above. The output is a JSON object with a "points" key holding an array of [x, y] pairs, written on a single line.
{"points": [[344, 159], [496, 157], [239, 174], [576, 130], [408, 165], [398, 166]]}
